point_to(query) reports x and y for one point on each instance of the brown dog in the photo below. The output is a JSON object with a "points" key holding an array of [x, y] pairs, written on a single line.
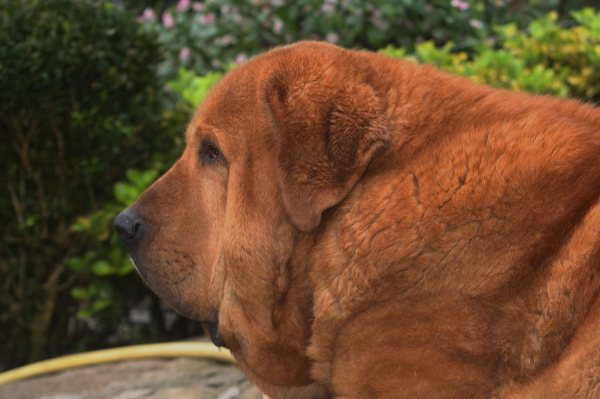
{"points": [[356, 226]]}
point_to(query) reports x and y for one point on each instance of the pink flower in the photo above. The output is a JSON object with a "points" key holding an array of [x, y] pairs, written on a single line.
{"points": [[197, 6], [168, 20], [278, 26], [149, 15], [182, 5], [460, 4], [476, 23], [332, 38], [240, 59], [375, 18], [184, 54], [215, 63], [226, 40], [327, 8], [235, 12], [207, 19]]}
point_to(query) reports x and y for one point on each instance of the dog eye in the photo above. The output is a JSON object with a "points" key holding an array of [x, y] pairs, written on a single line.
{"points": [[209, 153]]}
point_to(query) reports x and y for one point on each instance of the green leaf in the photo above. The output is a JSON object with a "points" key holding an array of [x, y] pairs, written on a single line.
{"points": [[31, 220], [102, 268], [126, 193], [80, 293], [194, 88], [101, 304], [85, 313], [142, 180], [134, 176], [116, 255], [126, 267], [82, 224], [76, 264], [394, 52], [148, 177]]}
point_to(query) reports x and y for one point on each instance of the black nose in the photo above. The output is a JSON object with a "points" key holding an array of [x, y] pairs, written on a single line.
{"points": [[129, 226]]}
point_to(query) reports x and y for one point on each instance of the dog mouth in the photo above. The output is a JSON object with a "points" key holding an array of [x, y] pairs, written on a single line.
{"points": [[212, 329]]}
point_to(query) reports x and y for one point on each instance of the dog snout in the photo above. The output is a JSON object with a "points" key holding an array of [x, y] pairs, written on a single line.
{"points": [[129, 226]]}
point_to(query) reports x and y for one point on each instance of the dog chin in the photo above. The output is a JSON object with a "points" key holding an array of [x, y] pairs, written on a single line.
{"points": [[212, 330], [173, 294]]}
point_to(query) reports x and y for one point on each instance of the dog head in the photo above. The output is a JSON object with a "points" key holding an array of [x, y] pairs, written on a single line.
{"points": [[278, 141]]}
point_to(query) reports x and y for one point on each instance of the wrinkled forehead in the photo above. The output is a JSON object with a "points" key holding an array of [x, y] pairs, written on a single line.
{"points": [[234, 112]]}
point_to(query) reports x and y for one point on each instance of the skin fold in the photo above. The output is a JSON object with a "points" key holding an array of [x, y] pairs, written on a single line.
{"points": [[356, 226]]}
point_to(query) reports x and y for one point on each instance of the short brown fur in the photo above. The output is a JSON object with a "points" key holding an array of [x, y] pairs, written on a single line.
{"points": [[375, 228]]}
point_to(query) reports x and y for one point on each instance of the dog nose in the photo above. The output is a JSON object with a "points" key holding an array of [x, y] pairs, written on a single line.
{"points": [[129, 226]]}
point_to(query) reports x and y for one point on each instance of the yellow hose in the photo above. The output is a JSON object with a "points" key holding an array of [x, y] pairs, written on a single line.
{"points": [[203, 350]]}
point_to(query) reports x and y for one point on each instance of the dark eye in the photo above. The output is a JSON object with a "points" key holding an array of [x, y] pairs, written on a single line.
{"points": [[209, 153]]}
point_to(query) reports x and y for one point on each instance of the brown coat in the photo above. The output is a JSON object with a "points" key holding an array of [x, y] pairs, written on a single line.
{"points": [[356, 226]]}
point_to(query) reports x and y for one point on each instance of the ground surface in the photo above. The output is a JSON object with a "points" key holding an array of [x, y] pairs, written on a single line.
{"points": [[181, 378]]}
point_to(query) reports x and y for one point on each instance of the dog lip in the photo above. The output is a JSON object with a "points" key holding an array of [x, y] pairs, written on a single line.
{"points": [[212, 329]]}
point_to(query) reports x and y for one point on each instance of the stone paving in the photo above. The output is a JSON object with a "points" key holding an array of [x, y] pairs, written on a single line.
{"points": [[180, 378]]}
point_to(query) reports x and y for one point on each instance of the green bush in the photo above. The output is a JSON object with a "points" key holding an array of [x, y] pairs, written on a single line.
{"points": [[80, 102], [572, 54], [545, 59], [204, 36], [107, 256]]}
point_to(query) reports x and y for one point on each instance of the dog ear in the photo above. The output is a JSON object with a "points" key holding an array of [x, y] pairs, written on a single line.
{"points": [[327, 136]]}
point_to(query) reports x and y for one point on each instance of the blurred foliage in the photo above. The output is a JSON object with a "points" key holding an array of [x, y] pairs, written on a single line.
{"points": [[498, 68], [572, 54], [80, 102], [207, 35], [138, 6], [545, 59], [108, 257], [192, 88]]}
